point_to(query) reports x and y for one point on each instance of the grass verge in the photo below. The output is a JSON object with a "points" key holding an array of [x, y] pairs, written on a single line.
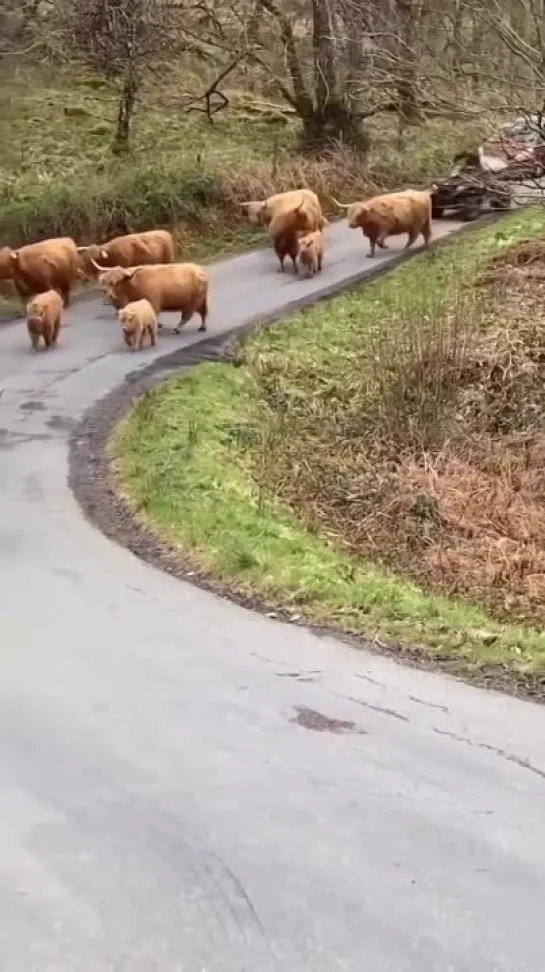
{"points": [[231, 464]]}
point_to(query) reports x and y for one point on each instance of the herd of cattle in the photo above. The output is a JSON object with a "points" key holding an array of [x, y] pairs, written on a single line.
{"points": [[140, 277]]}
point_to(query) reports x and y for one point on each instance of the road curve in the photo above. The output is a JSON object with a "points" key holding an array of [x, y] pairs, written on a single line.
{"points": [[189, 787]]}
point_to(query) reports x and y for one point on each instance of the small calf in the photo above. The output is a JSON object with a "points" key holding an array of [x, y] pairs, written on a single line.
{"points": [[311, 252], [44, 318], [137, 319]]}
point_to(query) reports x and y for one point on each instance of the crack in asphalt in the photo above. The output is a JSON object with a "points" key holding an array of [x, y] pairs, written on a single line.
{"points": [[384, 710], [510, 757]]}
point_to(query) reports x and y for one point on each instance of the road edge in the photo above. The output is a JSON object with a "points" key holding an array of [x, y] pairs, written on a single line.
{"points": [[92, 482]]}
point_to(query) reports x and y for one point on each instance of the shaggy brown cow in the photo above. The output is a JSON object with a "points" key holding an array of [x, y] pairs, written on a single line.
{"points": [[47, 265], [288, 224], [133, 250], [44, 317], [138, 319], [5, 263], [311, 252], [408, 211], [176, 287], [262, 213], [7, 286]]}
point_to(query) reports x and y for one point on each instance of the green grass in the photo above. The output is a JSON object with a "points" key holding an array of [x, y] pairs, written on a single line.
{"points": [[188, 461]]}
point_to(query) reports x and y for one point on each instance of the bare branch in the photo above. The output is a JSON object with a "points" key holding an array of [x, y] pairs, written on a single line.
{"points": [[212, 91], [123, 39]]}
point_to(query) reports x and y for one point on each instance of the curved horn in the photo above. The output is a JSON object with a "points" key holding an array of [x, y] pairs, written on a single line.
{"points": [[81, 249], [98, 267], [341, 205]]}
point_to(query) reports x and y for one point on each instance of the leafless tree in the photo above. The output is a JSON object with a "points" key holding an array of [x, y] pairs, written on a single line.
{"points": [[124, 40], [336, 63], [517, 29], [296, 47], [17, 20]]}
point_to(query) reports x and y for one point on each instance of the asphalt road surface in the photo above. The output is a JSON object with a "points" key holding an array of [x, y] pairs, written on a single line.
{"points": [[176, 795]]}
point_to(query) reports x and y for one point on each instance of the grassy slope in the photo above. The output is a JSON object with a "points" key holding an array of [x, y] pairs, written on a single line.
{"points": [[58, 175], [186, 458], [59, 133]]}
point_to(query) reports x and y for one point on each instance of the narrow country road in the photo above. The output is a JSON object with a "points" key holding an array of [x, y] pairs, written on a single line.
{"points": [[167, 801]]}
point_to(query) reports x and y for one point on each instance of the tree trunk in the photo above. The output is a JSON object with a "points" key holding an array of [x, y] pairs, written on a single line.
{"points": [[409, 13], [325, 76], [331, 119], [458, 39], [409, 108], [334, 124], [476, 50], [327, 116], [127, 104]]}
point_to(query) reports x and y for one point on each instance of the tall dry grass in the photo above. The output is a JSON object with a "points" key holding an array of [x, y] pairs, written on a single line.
{"points": [[408, 428], [203, 197], [419, 357]]}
